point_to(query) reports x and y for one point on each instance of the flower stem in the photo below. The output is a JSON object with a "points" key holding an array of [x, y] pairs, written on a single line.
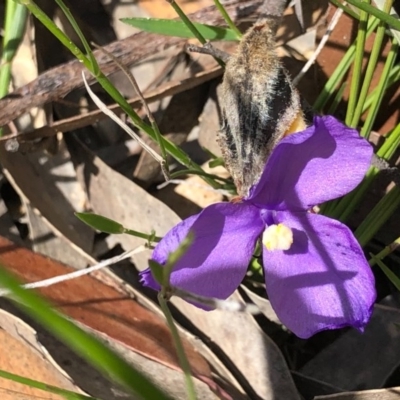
{"points": [[183, 361]]}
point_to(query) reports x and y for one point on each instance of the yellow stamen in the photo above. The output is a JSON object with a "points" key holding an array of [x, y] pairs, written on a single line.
{"points": [[277, 237], [297, 125]]}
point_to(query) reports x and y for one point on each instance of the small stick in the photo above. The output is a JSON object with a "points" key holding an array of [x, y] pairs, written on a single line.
{"points": [[209, 49], [79, 273], [122, 124]]}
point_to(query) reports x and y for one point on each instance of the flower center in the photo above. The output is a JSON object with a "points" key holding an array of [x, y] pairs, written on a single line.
{"points": [[277, 237]]}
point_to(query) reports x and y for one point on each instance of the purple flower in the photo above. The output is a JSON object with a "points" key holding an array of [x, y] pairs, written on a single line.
{"points": [[316, 274]]}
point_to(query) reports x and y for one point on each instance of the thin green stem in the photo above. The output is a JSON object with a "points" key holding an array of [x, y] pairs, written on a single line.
{"points": [[183, 361], [337, 99], [362, 5], [346, 9], [203, 174], [227, 18], [187, 21], [378, 216], [389, 273], [141, 235], [95, 66], [14, 28], [394, 77], [385, 252], [381, 88], [357, 67], [57, 32], [372, 62], [67, 394], [191, 26], [341, 70]]}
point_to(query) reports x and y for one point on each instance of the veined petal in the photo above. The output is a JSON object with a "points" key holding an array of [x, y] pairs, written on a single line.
{"points": [[323, 281], [307, 168], [216, 262]]}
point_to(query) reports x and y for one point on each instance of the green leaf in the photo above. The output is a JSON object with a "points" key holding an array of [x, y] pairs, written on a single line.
{"points": [[388, 272], [176, 255], [157, 271], [216, 162], [169, 27], [391, 21], [101, 223]]}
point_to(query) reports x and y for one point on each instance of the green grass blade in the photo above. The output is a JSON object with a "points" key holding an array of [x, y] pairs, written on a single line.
{"points": [[341, 70], [372, 62], [388, 272], [169, 27], [357, 67], [388, 19], [14, 29], [227, 18], [88, 347], [381, 88], [378, 216], [67, 394], [78, 31], [385, 252], [346, 9]]}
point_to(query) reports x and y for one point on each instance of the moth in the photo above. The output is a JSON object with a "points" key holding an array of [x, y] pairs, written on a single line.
{"points": [[259, 105]]}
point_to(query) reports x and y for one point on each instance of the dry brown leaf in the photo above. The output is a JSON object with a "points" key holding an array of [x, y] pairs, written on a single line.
{"points": [[380, 394], [238, 340], [114, 315], [50, 193], [347, 363], [263, 304], [23, 355], [116, 197]]}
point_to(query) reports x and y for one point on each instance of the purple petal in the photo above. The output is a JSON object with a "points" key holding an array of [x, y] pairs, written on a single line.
{"points": [[216, 262], [307, 168], [323, 281]]}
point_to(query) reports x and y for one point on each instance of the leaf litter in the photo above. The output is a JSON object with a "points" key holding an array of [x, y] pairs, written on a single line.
{"points": [[236, 358]]}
